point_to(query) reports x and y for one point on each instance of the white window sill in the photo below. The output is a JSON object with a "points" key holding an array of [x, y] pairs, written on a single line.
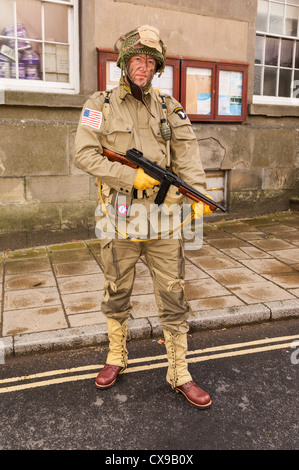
{"points": [[276, 107], [44, 99]]}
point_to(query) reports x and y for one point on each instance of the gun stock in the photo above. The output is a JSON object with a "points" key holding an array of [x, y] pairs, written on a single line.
{"points": [[116, 157]]}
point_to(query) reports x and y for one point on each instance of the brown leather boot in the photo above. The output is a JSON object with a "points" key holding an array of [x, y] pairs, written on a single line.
{"points": [[195, 394], [107, 376]]}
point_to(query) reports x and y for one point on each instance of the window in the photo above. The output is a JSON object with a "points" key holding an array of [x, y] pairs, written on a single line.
{"points": [[217, 185], [276, 77], [39, 45], [209, 91]]}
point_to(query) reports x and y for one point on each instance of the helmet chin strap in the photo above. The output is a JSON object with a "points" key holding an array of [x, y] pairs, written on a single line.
{"points": [[136, 90]]}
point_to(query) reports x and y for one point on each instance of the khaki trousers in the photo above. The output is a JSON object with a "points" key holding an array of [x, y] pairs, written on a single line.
{"points": [[165, 259]]}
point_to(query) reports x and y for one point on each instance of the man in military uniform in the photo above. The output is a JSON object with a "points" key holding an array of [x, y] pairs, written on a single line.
{"points": [[132, 116]]}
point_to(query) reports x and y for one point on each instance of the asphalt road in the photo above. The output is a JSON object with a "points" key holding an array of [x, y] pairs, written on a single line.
{"points": [[49, 401]]}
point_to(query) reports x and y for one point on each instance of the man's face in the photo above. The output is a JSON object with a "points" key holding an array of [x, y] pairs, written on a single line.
{"points": [[141, 69]]}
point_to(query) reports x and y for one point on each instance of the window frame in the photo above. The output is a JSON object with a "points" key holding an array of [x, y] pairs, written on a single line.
{"points": [[275, 99], [73, 86]]}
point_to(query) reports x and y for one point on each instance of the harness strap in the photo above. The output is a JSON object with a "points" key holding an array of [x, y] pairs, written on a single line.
{"points": [[164, 110]]}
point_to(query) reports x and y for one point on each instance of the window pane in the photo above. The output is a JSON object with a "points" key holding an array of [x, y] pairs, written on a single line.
{"points": [[270, 79], [286, 55], [276, 18], [29, 18], [198, 90], [56, 23], [271, 57], [292, 18], [56, 63], [7, 18], [4, 67], [285, 79], [262, 15], [31, 60], [259, 49], [21, 69], [295, 93], [297, 55], [258, 77]]}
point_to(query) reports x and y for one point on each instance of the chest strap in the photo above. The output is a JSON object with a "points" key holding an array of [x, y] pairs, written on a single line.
{"points": [[165, 129], [106, 107]]}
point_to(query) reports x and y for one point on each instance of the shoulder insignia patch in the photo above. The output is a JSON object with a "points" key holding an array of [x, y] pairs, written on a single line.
{"points": [[92, 118], [180, 112]]}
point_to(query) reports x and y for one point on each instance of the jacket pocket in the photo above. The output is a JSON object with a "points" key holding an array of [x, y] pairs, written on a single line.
{"points": [[117, 134]]}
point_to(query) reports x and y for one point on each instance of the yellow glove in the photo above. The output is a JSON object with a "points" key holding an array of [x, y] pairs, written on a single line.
{"points": [[200, 209], [144, 181]]}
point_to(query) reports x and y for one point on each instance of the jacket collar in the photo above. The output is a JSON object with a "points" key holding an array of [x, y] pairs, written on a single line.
{"points": [[125, 90]]}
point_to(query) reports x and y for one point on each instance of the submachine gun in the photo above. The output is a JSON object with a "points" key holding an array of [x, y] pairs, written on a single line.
{"points": [[134, 158]]}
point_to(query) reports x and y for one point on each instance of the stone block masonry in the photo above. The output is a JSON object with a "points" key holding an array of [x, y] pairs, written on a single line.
{"points": [[43, 197]]}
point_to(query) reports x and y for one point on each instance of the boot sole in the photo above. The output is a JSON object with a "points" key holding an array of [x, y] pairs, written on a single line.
{"points": [[104, 387], [203, 407]]}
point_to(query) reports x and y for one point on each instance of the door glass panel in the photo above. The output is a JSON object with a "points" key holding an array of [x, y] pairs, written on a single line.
{"points": [[198, 90], [230, 93]]}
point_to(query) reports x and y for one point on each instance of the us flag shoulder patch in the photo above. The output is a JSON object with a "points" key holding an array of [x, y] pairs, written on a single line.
{"points": [[92, 118]]}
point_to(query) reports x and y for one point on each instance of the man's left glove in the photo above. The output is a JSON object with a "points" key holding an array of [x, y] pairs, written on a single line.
{"points": [[144, 181], [200, 209]]}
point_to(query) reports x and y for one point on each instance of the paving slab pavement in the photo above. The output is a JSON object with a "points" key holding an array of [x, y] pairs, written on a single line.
{"points": [[246, 271]]}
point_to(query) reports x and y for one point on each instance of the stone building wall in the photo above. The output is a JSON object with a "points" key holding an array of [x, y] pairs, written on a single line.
{"points": [[44, 198]]}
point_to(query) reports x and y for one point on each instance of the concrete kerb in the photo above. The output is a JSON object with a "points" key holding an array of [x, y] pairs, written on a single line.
{"points": [[149, 328], [230, 316]]}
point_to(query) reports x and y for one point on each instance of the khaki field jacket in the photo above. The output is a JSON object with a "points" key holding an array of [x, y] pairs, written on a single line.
{"points": [[129, 124]]}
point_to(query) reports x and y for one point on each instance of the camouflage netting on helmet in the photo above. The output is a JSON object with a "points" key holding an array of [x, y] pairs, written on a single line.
{"points": [[142, 40]]}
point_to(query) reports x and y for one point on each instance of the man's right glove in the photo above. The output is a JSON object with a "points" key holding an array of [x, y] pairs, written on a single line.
{"points": [[144, 181]]}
